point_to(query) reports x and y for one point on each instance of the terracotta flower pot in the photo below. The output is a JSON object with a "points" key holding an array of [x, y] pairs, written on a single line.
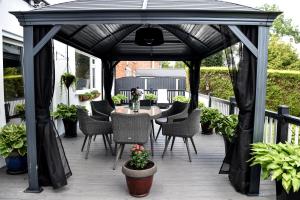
{"points": [[139, 182], [206, 130]]}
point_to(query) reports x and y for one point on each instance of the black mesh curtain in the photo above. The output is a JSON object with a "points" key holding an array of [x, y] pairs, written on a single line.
{"points": [[108, 80], [53, 167], [243, 76], [194, 80]]}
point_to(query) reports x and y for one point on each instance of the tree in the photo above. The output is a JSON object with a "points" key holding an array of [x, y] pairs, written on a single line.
{"points": [[282, 55], [214, 60], [165, 64], [179, 64], [282, 26]]}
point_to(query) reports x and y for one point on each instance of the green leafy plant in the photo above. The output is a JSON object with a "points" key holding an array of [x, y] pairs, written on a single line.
{"points": [[20, 110], [226, 125], [200, 105], [182, 99], [116, 100], [280, 161], [89, 95], [122, 97], [67, 79], [64, 111], [208, 115], [151, 97], [13, 140], [139, 157]]}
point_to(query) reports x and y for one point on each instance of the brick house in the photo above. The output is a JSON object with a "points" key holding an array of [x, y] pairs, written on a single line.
{"points": [[128, 68]]}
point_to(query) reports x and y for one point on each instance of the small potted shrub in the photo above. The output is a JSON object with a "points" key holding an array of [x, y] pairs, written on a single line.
{"points": [[20, 110], [69, 118], [13, 147], [226, 126], [85, 97], [281, 162], [116, 100], [139, 171], [122, 97], [95, 94], [152, 97], [207, 116], [181, 99]]}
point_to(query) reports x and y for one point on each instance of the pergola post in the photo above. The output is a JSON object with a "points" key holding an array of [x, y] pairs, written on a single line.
{"points": [[28, 67], [260, 101]]}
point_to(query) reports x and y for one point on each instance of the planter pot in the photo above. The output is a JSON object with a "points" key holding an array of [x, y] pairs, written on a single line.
{"points": [[206, 130], [83, 98], [226, 144], [70, 128], [139, 182], [281, 194], [16, 164], [68, 81]]}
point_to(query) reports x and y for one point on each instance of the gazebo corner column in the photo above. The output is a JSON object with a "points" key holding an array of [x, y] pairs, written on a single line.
{"points": [[260, 101], [28, 67]]}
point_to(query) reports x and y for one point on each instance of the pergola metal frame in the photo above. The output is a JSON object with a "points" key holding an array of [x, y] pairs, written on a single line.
{"points": [[58, 18]]}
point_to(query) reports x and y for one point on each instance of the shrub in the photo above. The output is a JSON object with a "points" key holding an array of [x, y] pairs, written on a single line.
{"points": [[122, 97], [116, 100], [182, 99], [226, 125], [208, 115], [64, 111], [151, 97]]}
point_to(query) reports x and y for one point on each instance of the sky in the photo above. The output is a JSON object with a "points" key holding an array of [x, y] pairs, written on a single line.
{"points": [[289, 7]]}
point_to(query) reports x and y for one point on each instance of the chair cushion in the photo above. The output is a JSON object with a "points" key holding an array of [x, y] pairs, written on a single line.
{"points": [[161, 121]]}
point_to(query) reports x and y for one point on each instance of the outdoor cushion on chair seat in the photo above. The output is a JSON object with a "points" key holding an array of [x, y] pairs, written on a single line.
{"points": [[161, 121]]}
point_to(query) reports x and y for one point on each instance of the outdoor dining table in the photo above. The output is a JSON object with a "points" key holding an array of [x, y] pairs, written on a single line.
{"points": [[153, 111]]}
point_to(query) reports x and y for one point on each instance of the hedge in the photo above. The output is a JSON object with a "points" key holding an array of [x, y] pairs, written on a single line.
{"points": [[283, 87]]}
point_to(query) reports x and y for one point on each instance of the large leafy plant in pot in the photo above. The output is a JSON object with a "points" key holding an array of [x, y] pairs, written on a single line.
{"points": [[281, 162], [208, 115], [152, 97], [69, 118], [13, 147], [139, 171], [181, 99]]}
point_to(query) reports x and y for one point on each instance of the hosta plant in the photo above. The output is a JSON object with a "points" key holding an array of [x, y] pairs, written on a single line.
{"points": [[208, 115], [226, 125], [20, 110], [182, 99], [116, 100], [122, 97], [139, 157], [13, 140], [280, 161], [64, 111], [151, 97]]}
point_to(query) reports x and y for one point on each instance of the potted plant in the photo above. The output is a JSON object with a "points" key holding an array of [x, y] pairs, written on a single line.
{"points": [[226, 126], [207, 116], [69, 118], [20, 110], [122, 97], [152, 97], [281, 162], [85, 97], [95, 94], [67, 79], [182, 99], [139, 171], [116, 100], [13, 147]]}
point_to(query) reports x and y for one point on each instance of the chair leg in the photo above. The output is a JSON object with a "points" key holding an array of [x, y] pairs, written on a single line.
{"points": [[152, 123], [88, 147], [116, 148], [104, 141], [84, 141], [151, 142], [172, 143], [166, 146], [122, 149], [117, 157], [193, 143], [95, 137], [188, 149], [109, 144], [158, 133]]}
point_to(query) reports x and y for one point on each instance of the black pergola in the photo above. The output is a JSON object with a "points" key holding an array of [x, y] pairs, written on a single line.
{"points": [[192, 29]]}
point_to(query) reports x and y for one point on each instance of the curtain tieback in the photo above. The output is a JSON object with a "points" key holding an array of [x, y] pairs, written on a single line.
{"points": [[43, 115]]}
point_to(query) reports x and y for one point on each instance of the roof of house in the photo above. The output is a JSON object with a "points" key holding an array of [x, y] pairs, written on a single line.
{"points": [[160, 72]]}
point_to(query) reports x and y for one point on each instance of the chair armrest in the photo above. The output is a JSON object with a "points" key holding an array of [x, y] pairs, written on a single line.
{"points": [[97, 113], [98, 127], [181, 115], [176, 129], [100, 117]]}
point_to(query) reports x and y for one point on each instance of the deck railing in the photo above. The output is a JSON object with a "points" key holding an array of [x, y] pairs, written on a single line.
{"points": [[10, 108]]}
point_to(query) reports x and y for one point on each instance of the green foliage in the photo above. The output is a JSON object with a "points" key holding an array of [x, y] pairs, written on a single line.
{"points": [[139, 157], [20, 110], [13, 83], [13, 139], [282, 26], [179, 64], [282, 55], [214, 60], [89, 95], [165, 64], [283, 87], [116, 100], [200, 105], [208, 115], [182, 99], [151, 97], [280, 161], [225, 125], [64, 111], [122, 97]]}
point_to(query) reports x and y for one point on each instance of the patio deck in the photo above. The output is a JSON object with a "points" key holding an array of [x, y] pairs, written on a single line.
{"points": [[176, 177]]}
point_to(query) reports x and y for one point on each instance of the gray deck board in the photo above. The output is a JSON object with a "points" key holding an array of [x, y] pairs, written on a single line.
{"points": [[176, 177]]}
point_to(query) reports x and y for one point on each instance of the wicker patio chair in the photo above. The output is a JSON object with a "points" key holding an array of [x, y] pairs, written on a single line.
{"points": [[185, 129], [91, 127], [130, 129], [101, 110], [178, 110]]}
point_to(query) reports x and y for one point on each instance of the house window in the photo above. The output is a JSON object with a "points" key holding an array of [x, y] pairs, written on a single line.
{"points": [[82, 63], [13, 79]]}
